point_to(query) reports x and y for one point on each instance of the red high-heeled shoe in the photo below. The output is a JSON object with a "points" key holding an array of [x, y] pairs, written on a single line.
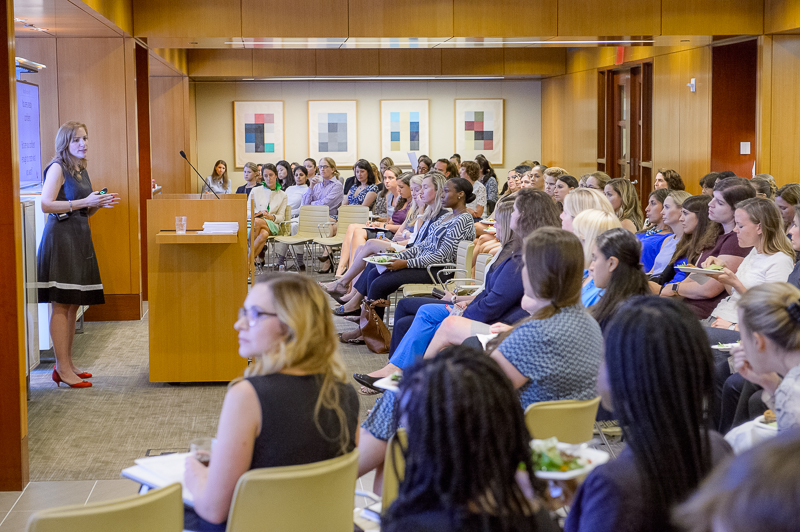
{"points": [[58, 381], [84, 375]]}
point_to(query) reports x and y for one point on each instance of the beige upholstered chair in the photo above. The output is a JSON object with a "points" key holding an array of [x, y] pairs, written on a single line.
{"points": [[160, 509], [569, 421], [318, 496]]}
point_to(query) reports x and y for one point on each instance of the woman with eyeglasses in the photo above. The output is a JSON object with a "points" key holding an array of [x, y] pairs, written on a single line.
{"points": [[293, 405]]}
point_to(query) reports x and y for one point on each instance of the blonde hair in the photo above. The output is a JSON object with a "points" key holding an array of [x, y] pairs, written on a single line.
{"points": [[64, 137], [765, 309], [555, 171], [630, 208], [590, 224], [330, 162], [416, 207], [581, 199], [309, 345], [252, 166], [502, 215], [679, 196], [438, 179], [773, 236]]}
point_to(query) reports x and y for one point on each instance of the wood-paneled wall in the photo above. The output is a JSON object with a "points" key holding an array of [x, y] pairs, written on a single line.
{"points": [[453, 18], [169, 119], [681, 119], [92, 80], [781, 136], [211, 63], [14, 472]]}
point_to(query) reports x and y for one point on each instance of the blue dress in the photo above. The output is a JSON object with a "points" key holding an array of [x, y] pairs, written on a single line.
{"points": [[651, 245]]}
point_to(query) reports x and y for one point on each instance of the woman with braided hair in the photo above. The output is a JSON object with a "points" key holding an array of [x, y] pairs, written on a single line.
{"points": [[657, 379], [466, 441]]}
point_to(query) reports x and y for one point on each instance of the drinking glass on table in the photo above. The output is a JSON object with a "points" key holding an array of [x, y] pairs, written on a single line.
{"points": [[180, 225], [200, 449]]}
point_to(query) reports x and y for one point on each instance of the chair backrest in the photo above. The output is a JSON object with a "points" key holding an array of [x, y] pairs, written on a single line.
{"points": [[394, 468], [286, 229], [160, 509], [318, 496], [351, 214], [464, 259], [480, 267], [310, 217], [570, 421]]}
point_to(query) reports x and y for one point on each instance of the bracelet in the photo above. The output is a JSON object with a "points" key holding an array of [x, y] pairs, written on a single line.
{"points": [[70, 205], [453, 299]]}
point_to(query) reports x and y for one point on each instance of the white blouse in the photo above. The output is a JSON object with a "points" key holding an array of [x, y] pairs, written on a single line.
{"points": [[755, 269], [295, 197]]}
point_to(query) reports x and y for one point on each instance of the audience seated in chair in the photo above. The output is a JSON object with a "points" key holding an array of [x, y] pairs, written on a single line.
{"points": [[468, 462], [656, 378], [552, 355], [587, 226], [293, 405], [418, 320], [625, 201], [437, 244]]}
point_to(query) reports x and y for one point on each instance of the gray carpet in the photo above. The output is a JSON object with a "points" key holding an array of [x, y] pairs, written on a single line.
{"points": [[94, 433]]}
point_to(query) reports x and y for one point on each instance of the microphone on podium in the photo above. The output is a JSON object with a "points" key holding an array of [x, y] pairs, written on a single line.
{"points": [[183, 154]]}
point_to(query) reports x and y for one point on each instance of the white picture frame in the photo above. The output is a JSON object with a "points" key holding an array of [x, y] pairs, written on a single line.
{"points": [[258, 131], [479, 129], [333, 130], [400, 120]]}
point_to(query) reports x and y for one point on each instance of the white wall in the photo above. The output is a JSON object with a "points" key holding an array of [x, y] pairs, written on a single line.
{"points": [[214, 107]]}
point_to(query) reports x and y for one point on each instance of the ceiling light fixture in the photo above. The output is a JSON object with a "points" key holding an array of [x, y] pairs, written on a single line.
{"points": [[387, 78], [20, 20]]}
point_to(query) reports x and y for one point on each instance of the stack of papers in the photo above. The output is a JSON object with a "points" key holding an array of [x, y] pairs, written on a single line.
{"points": [[160, 471], [219, 228]]}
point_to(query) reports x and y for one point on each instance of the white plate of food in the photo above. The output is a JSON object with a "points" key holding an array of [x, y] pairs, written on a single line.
{"points": [[491, 230], [390, 383], [379, 260], [704, 271], [490, 222], [725, 348], [770, 428], [555, 460]]}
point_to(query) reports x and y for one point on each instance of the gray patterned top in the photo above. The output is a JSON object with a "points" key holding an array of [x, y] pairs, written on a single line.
{"points": [[786, 401], [560, 356]]}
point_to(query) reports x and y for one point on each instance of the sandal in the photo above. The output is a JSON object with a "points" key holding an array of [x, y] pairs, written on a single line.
{"points": [[363, 390], [355, 341], [340, 311], [367, 381]]}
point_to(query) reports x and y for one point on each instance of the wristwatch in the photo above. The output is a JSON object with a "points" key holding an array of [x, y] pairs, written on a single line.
{"points": [[453, 299], [675, 287]]}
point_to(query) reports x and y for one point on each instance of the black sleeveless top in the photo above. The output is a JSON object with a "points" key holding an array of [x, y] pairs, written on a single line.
{"points": [[289, 434]]}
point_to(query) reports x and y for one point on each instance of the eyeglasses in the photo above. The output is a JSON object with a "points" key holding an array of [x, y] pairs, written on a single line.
{"points": [[323, 166], [253, 315]]}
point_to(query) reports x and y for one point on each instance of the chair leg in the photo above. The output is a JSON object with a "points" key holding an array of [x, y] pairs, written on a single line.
{"points": [[605, 440]]}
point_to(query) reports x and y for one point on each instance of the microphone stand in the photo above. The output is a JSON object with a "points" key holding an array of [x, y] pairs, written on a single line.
{"points": [[183, 154]]}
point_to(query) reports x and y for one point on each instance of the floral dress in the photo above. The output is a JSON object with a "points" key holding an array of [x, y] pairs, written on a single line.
{"points": [[354, 198]]}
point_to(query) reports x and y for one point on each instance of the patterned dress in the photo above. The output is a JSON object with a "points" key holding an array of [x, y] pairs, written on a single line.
{"points": [[67, 269], [357, 198], [786, 402]]}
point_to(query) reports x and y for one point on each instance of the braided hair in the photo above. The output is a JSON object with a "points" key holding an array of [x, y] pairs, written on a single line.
{"points": [[660, 373], [466, 439]]}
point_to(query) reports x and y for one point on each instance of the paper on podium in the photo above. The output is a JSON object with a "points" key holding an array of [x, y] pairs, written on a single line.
{"points": [[160, 471]]}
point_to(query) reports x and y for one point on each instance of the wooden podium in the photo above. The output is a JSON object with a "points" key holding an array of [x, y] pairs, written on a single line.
{"points": [[196, 284]]}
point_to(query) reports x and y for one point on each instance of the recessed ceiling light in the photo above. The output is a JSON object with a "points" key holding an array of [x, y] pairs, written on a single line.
{"points": [[20, 19], [40, 29]]}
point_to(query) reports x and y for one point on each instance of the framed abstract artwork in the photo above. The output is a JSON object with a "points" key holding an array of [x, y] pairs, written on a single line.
{"points": [[332, 131], [479, 129], [258, 132], [405, 127]]}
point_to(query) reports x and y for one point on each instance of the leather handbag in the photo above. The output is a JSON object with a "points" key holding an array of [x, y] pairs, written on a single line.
{"points": [[374, 332]]}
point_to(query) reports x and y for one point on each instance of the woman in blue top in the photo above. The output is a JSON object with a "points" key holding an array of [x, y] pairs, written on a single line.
{"points": [[432, 328], [656, 230], [438, 244], [551, 356]]}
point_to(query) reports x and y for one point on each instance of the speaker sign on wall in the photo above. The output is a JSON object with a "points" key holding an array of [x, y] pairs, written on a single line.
{"points": [[258, 132], [332, 131], [479, 129]]}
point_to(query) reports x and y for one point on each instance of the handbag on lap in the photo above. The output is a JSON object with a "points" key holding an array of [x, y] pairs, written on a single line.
{"points": [[374, 332]]}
